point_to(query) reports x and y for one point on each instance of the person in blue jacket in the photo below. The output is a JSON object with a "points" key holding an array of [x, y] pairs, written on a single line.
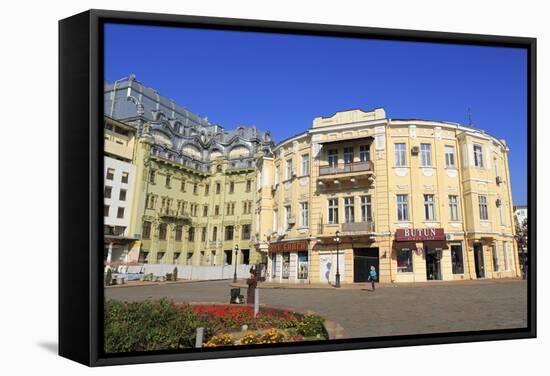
{"points": [[372, 276]]}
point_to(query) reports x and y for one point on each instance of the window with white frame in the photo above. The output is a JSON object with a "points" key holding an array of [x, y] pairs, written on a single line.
{"points": [[404, 261], [366, 209], [305, 164], [450, 156], [429, 208], [478, 155], [304, 214], [453, 208], [333, 157], [332, 210], [495, 258], [364, 153], [288, 216], [289, 169], [402, 207], [349, 210], [348, 155], [400, 155], [483, 212], [426, 155]]}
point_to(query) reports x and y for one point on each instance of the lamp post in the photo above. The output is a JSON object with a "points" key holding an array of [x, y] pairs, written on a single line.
{"points": [[337, 240], [235, 262]]}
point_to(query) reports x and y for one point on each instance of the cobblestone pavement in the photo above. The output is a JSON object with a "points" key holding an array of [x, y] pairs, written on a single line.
{"points": [[425, 308]]}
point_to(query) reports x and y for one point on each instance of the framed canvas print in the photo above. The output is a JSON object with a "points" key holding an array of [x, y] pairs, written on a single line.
{"points": [[239, 187]]}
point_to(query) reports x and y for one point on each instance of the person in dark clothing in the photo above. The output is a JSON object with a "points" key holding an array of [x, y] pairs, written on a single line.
{"points": [[252, 283]]}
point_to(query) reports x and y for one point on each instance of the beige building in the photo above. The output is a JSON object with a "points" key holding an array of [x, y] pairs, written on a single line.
{"points": [[418, 200]]}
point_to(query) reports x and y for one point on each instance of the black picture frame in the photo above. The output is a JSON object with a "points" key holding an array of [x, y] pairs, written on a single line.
{"points": [[81, 186]]}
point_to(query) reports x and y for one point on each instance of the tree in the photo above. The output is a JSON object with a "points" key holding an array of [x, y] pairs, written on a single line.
{"points": [[521, 239]]}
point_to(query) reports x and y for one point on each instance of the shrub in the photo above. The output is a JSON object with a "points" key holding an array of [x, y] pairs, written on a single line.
{"points": [[311, 326], [273, 336], [222, 339], [250, 338], [150, 325]]}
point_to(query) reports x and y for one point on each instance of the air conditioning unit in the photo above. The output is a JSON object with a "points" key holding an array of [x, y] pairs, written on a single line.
{"points": [[449, 237], [499, 180], [415, 150], [291, 221], [498, 202]]}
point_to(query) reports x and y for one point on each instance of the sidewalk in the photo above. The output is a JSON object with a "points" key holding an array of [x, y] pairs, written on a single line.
{"points": [[367, 285]]}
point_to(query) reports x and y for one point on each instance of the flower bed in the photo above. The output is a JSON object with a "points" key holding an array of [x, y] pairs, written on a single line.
{"points": [[163, 325]]}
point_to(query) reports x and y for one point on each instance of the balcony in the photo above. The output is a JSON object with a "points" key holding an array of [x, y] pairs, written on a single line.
{"points": [[174, 214], [240, 164], [357, 228], [365, 166]]}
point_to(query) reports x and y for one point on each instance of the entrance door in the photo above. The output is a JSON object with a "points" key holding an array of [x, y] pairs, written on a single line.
{"points": [[246, 256], [433, 265], [363, 259], [478, 259]]}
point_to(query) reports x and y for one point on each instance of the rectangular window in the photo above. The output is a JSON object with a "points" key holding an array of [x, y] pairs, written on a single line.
{"points": [[120, 213], [275, 219], [218, 188], [205, 211], [246, 232], [105, 210], [288, 216], [304, 210], [248, 185], [231, 187], [404, 261], [348, 155], [146, 231], [506, 251], [276, 174], [160, 257], [229, 232], [162, 231], [426, 155], [176, 257], [349, 212], [302, 265], [457, 258], [483, 213], [179, 231], [453, 208], [217, 210], [214, 234], [191, 234], [152, 177], [429, 208], [478, 156], [122, 195], [206, 189], [305, 164], [366, 209], [110, 174], [333, 210], [495, 258], [195, 188], [168, 181], [364, 153], [289, 169], [124, 178], [402, 207], [182, 186], [108, 191], [449, 156], [203, 234], [333, 157], [400, 155]]}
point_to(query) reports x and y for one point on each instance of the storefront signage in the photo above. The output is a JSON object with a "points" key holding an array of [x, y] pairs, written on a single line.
{"points": [[419, 234], [288, 246]]}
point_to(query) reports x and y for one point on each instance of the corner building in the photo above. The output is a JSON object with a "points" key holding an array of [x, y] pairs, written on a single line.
{"points": [[419, 200]]}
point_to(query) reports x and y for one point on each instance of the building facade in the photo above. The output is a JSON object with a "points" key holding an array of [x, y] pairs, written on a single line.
{"points": [[194, 186], [418, 200], [119, 172]]}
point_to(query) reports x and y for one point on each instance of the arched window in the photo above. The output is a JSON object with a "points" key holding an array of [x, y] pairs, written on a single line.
{"points": [[214, 233]]}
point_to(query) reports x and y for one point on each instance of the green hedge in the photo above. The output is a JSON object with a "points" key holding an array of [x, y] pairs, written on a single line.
{"points": [[151, 325]]}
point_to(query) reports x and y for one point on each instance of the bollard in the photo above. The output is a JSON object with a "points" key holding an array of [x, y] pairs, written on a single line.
{"points": [[199, 337], [256, 302]]}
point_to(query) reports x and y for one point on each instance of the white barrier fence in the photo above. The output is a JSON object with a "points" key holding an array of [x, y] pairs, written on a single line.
{"points": [[190, 272]]}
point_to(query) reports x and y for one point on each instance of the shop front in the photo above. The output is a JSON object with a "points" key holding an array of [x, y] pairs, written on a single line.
{"points": [[422, 255], [288, 262]]}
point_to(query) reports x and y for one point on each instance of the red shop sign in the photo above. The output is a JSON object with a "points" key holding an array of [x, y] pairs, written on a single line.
{"points": [[419, 234], [288, 246]]}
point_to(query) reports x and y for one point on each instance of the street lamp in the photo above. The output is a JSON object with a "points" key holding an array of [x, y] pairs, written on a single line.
{"points": [[235, 262], [337, 240]]}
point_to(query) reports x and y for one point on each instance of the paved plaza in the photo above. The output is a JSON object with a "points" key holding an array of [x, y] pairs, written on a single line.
{"points": [[391, 310]]}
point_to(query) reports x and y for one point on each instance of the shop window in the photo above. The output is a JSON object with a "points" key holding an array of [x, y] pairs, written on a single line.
{"points": [[495, 258], [302, 265], [404, 261], [457, 258], [286, 265], [273, 265]]}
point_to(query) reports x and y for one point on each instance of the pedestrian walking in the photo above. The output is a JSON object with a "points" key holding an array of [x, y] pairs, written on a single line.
{"points": [[372, 276]]}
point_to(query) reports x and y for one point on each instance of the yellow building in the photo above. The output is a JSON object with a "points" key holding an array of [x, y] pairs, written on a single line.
{"points": [[418, 200]]}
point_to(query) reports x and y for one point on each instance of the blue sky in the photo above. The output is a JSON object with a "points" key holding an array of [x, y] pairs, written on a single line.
{"points": [[281, 82]]}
